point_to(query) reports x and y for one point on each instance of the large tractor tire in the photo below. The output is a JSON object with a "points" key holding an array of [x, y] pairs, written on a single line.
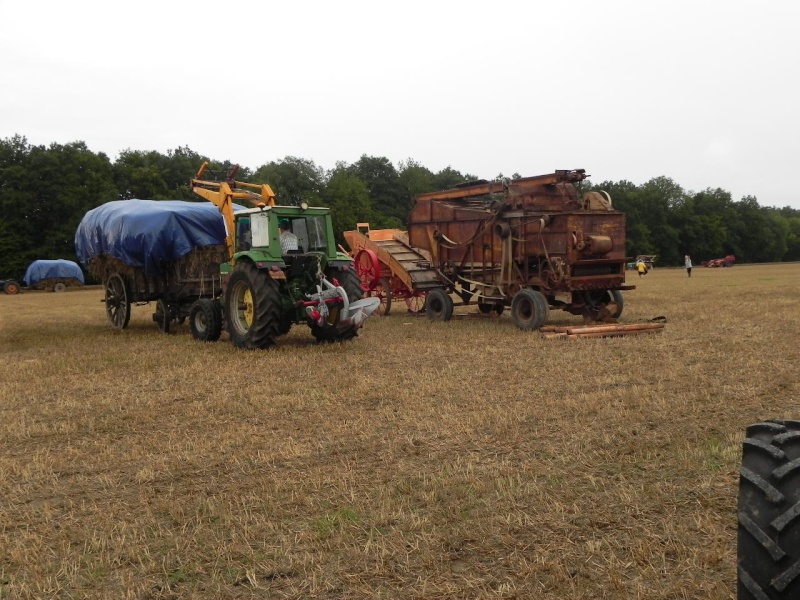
{"points": [[769, 512], [529, 309], [11, 287], [351, 283], [439, 305], [118, 301], [252, 308], [205, 320]]}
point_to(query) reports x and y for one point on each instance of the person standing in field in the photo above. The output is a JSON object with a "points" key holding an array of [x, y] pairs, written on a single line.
{"points": [[641, 268], [687, 260]]}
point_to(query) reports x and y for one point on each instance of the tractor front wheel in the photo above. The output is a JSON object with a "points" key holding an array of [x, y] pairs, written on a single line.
{"points": [[252, 308]]}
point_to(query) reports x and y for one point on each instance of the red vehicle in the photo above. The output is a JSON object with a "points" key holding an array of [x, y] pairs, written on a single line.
{"points": [[728, 261], [389, 268]]}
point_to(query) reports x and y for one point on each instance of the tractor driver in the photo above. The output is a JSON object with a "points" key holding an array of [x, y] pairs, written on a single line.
{"points": [[288, 239]]}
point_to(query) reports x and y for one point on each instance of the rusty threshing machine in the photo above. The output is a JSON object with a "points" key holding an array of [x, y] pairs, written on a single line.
{"points": [[529, 244]]}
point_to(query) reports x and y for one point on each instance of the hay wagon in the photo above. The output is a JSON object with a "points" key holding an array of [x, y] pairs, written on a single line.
{"points": [[167, 252], [389, 268], [54, 275], [175, 290]]}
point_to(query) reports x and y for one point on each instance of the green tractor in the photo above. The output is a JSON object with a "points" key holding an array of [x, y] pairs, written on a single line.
{"points": [[284, 269]]}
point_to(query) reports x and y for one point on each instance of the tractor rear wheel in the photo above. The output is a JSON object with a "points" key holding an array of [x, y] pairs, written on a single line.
{"points": [[11, 287], [205, 320], [117, 300], [439, 305], [252, 308], [769, 523], [352, 287], [529, 309]]}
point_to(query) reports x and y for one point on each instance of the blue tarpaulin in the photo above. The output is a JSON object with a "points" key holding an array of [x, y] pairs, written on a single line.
{"points": [[51, 269], [148, 233]]}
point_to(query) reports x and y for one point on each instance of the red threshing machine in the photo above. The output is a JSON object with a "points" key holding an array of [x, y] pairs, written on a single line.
{"points": [[389, 268]]}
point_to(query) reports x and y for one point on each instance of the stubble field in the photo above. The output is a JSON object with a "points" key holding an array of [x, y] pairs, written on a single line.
{"points": [[466, 459]]}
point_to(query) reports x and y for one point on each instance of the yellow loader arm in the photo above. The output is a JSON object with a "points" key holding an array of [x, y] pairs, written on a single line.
{"points": [[224, 193]]}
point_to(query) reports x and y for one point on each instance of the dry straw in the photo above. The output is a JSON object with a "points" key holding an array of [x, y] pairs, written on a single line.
{"points": [[466, 459]]}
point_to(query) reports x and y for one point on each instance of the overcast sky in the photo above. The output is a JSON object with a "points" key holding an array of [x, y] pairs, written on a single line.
{"points": [[702, 92]]}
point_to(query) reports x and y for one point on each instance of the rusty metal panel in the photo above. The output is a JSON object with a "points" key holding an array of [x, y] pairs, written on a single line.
{"points": [[533, 231]]}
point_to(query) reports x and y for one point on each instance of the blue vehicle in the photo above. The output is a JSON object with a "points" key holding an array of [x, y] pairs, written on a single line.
{"points": [[55, 275]]}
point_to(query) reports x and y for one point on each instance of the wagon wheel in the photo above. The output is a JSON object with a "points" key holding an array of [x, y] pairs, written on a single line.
{"points": [[59, 287], [529, 309], [383, 291], [439, 305], [117, 300], [368, 268], [11, 287], [416, 302], [162, 316]]}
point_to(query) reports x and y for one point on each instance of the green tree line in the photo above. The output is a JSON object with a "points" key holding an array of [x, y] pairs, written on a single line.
{"points": [[46, 190]]}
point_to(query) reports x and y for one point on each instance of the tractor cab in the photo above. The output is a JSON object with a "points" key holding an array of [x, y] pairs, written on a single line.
{"points": [[259, 230]]}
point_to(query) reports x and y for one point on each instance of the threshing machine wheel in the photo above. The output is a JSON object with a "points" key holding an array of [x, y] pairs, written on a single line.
{"points": [[416, 302], [11, 287], [529, 309], [252, 307], [383, 291], [117, 300], [162, 316], [611, 300], [487, 307], [59, 287], [368, 268], [205, 320], [439, 305], [769, 526], [353, 288]]}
